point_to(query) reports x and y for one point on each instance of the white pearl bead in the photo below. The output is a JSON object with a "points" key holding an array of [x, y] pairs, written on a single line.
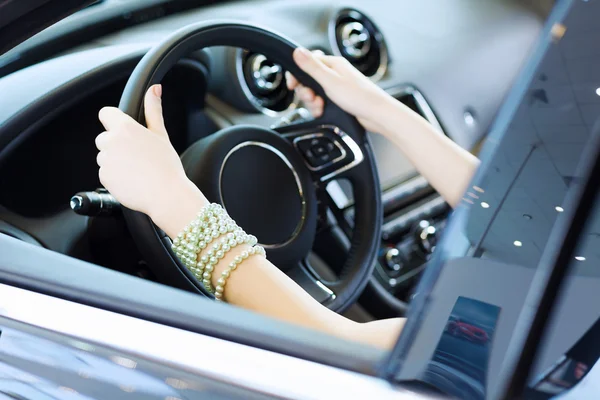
{"points": [[245, 254], [226, 247], [207, 275], [221, 281], [209, 268], [219, 289], [213, 260], [220, 254], [204, 259], [238, 259], [226, 273]]}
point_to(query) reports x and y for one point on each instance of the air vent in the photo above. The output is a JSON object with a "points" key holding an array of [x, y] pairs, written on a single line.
{"points": [[356, 38], [263, 83]]}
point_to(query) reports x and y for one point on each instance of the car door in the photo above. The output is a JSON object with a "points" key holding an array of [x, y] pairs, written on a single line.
{"points": [[69, 329]]}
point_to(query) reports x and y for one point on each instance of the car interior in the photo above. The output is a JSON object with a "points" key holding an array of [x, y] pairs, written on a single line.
{"points": [[454, 63], [450, 63]]}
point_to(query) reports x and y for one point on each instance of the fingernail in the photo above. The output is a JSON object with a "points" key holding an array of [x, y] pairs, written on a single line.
{"points": [[158, 90], [303, 52]]}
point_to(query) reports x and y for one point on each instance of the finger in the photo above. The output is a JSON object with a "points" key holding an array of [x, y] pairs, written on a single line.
{"points": [[316, 107], [333, 62], [102, 176], [101, 158], [312, 65], [291, 81], [306, 94], [101, 140], [153, 110], [113, 118]]}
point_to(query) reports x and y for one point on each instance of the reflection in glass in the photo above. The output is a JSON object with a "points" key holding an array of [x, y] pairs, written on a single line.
{"points": [[460, 361]]}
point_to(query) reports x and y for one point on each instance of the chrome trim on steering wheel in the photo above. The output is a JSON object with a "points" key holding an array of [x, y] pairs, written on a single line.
{"points": [[352, 145], [354, 148], [317, 135]]}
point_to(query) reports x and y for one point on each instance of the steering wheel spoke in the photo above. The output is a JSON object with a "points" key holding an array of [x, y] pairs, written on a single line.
{"points": [[303, 276], [327, 151]]}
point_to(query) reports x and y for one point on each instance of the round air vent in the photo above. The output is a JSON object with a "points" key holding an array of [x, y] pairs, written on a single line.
{"points": [[356, 38], [263, 82]]}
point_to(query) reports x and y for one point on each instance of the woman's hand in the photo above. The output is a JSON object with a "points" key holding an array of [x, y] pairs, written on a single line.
{"points": [[344, 85], [140, 167]]}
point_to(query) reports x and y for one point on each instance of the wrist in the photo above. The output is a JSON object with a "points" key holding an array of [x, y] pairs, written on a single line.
{"points": [[382, 118], [179, 206], [379, 118]]}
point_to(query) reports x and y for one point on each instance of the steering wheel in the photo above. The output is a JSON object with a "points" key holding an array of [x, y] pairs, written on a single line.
{"points": [[269, 181]]}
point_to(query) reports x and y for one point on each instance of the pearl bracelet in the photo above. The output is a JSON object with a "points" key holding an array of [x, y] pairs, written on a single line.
{"points": [[220, 288], [211, 223], [208, 261]]}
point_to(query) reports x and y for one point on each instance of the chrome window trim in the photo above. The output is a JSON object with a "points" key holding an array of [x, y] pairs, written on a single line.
{"points": [[233, 363]]}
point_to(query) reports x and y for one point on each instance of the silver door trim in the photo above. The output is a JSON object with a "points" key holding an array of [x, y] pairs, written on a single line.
{"points": [[236, 364]]}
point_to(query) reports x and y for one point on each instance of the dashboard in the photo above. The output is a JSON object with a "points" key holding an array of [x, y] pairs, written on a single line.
{"points": [[452, 62]]}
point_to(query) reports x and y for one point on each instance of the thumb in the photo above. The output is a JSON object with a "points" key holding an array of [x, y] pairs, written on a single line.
{"points": [[153, 110], [313, 66]]}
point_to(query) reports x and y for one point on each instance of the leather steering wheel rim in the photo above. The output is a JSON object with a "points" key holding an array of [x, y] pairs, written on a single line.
{"points": [[155, 246]]}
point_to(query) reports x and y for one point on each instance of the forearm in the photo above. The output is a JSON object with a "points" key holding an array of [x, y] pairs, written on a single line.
{"points": [[446, 166], [259, 286]]}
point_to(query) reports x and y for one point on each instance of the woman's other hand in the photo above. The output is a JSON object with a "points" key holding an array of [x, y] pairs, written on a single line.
{"points": [[343, 84], [138, 165]]}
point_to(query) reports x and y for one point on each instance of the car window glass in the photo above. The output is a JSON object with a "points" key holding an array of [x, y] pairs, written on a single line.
{"points": [[466, 308]]}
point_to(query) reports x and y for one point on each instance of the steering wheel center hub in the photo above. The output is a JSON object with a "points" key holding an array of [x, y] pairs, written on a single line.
{"points": [[263, 183], [262, 192]]}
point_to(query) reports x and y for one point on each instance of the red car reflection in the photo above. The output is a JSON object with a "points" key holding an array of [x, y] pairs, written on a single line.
{"points": [[467, 331]]}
